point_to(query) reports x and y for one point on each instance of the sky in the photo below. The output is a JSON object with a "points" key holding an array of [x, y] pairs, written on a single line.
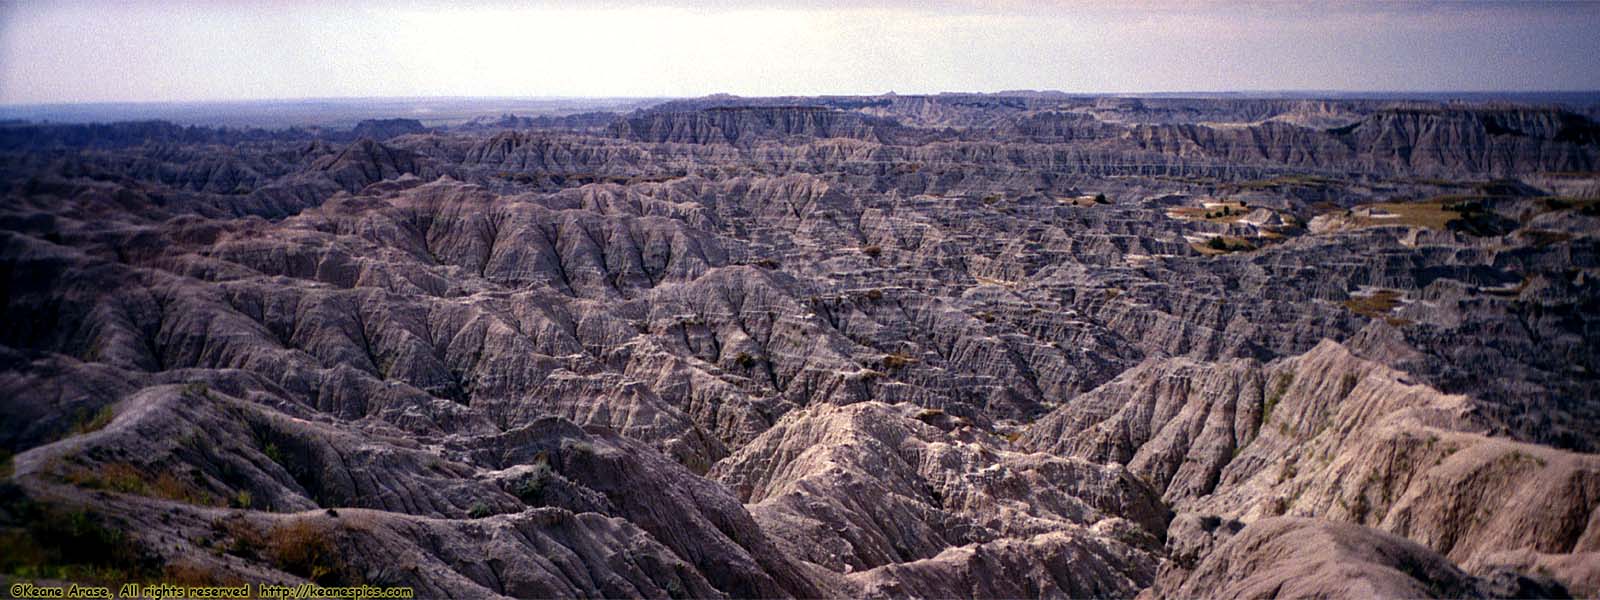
{"points": [[140, 50]]}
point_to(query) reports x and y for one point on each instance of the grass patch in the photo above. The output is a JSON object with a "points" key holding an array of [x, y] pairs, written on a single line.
{"points": [[125, 478], [236, 536], [479, 510], [197, 389], [88, 422], [306, 548], [1377, 305], [1280, 182], [897, 360], [1463, 212], [1085, 201], [48, 542], [117, 477], [1223, 244], [1429, 215], [1541, 238], [1584, 206], [190, 574], [1518, 457], [1215, 212]]}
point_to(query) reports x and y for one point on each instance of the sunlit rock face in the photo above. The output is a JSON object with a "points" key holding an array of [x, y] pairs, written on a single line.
{"points": [[901, 346]]}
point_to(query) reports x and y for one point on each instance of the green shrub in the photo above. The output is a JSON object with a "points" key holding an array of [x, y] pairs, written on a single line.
{"points": [[272, 453], [744, 360], [197, 389], [90, 422], [530, 489]]}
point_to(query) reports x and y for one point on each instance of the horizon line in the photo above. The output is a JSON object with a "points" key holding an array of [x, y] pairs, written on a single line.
{"points": [[1113, 94]]}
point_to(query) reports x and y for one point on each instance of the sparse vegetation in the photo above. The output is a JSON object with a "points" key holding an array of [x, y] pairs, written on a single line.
{"points": [[306, 548], [1289, 471], [1375, 305], [125, 478], [1280, 182], [1224, 244], [236, 536], [1347, 384], [54, 542], [530, 489], [1277, 506], [89, 422], [197, 389], [1518, 457], [1542, 238], [577, 447], [117, 477], [1279, 388], [744, 360], [1215, 212], [187, 573], [272, 453], [1466, 213], [897, 360], [511, 386]]}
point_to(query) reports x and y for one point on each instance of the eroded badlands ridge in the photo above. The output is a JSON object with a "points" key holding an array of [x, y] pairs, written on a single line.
{"points": [[946, 346]]}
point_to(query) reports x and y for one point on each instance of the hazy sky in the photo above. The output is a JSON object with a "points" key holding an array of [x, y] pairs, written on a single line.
{"points": [[138, 50]]}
